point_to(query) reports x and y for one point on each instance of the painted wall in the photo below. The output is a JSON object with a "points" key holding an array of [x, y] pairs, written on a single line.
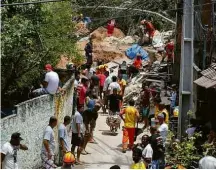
{"points": [[31, 119]]}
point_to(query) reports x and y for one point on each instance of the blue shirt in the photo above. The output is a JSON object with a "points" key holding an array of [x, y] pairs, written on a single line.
{"points": [[173, 99]]}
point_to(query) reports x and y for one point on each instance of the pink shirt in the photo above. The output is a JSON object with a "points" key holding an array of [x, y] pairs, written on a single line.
{"points": [[102, 78], [82, 94]]}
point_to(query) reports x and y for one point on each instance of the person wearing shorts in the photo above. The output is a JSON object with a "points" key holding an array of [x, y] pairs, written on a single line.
{"points": [[78, 131], [89, 117]]}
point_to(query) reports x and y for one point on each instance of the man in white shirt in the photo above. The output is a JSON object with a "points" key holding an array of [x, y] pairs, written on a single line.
{"points": [[78, 130], [64, 145], [147, 152], [48, 146], [9, 152], [163, 128], [114, 85], [50, 83]]}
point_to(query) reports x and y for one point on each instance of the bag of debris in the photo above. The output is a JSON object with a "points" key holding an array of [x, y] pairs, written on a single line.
{"points": [[134, 50], [157, 40]]}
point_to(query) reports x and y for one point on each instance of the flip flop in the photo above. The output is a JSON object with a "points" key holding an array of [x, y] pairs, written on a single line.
{"points": [[93, 142], [78, 163], [84, 153]]}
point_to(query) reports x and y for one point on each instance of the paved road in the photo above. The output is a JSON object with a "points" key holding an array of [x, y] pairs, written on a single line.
{"points": [[108, 150]]}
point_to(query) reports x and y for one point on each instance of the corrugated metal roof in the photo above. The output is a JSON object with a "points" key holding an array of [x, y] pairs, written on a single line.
{"points": [[208, 79]]}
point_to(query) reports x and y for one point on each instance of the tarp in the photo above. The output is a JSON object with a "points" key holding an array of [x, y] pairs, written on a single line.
{"points": [[134, 50]]}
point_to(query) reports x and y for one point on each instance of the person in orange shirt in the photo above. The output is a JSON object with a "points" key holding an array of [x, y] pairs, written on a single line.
{"points": [[169, 50], [130, 118], [137, 65], [149, 29]]}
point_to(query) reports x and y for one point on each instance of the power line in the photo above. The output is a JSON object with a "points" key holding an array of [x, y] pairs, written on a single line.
{"points": [[28, 3]]}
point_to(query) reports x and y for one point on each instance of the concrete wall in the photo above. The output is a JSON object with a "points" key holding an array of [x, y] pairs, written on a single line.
{"points": [[31, 119]]}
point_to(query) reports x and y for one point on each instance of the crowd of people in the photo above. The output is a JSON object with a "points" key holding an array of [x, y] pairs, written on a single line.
{"points": [[99, 88]]}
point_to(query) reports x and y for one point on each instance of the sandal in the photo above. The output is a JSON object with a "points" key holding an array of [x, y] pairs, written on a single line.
{"points": [[78, 163]]}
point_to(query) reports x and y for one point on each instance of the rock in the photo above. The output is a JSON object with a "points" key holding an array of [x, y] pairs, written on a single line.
{"points": [[112, 40], [80, 29], [101, 33], [127, 40]]}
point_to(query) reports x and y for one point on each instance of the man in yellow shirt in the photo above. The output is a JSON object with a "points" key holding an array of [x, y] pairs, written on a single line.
{"points": [[122, 84], [130, 118], [137, 158], [162, 109]]}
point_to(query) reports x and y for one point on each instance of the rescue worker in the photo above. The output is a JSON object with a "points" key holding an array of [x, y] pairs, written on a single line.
{"points": [[137, 65], [149, 29], [169, 48], [130, 118], [110, 27]]}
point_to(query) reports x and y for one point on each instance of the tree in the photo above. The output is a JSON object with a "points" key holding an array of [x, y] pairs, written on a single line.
{"points": [[128, 20], [32, 36]]}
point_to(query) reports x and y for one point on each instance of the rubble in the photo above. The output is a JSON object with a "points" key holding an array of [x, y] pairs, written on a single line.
{"points": [[80, 29]]}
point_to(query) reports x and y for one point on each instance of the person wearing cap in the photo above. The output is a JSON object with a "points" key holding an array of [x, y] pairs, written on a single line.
{"points": [[50, 84], [68, 160], [64, 145], [89, 118], [9, 150], [163, 128], [48, 145]]}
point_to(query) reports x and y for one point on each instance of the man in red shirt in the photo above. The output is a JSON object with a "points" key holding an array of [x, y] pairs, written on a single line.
{"points": [[149, 28], [81, 91], [102, 78], [110, 27], [169, 50]]}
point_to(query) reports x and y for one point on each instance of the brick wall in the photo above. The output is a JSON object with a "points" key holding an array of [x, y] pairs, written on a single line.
{"points": [[31, 119]]}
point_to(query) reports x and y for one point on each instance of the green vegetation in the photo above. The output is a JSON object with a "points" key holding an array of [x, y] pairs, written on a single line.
{"points": [[32, 35], [128, 20]]}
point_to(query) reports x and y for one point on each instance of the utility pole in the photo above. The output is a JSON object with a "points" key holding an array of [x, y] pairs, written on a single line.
{"points": [[186, 74]]}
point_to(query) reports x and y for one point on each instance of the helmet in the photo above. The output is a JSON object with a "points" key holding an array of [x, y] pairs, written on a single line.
{"points": [[69, 158], [105, 65]]}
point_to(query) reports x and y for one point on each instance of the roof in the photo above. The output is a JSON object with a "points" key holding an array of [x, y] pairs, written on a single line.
{"points": [[208, 79]]}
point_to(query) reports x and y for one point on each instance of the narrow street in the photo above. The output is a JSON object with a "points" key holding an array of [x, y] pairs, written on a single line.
{"points": [[108, 151]]}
